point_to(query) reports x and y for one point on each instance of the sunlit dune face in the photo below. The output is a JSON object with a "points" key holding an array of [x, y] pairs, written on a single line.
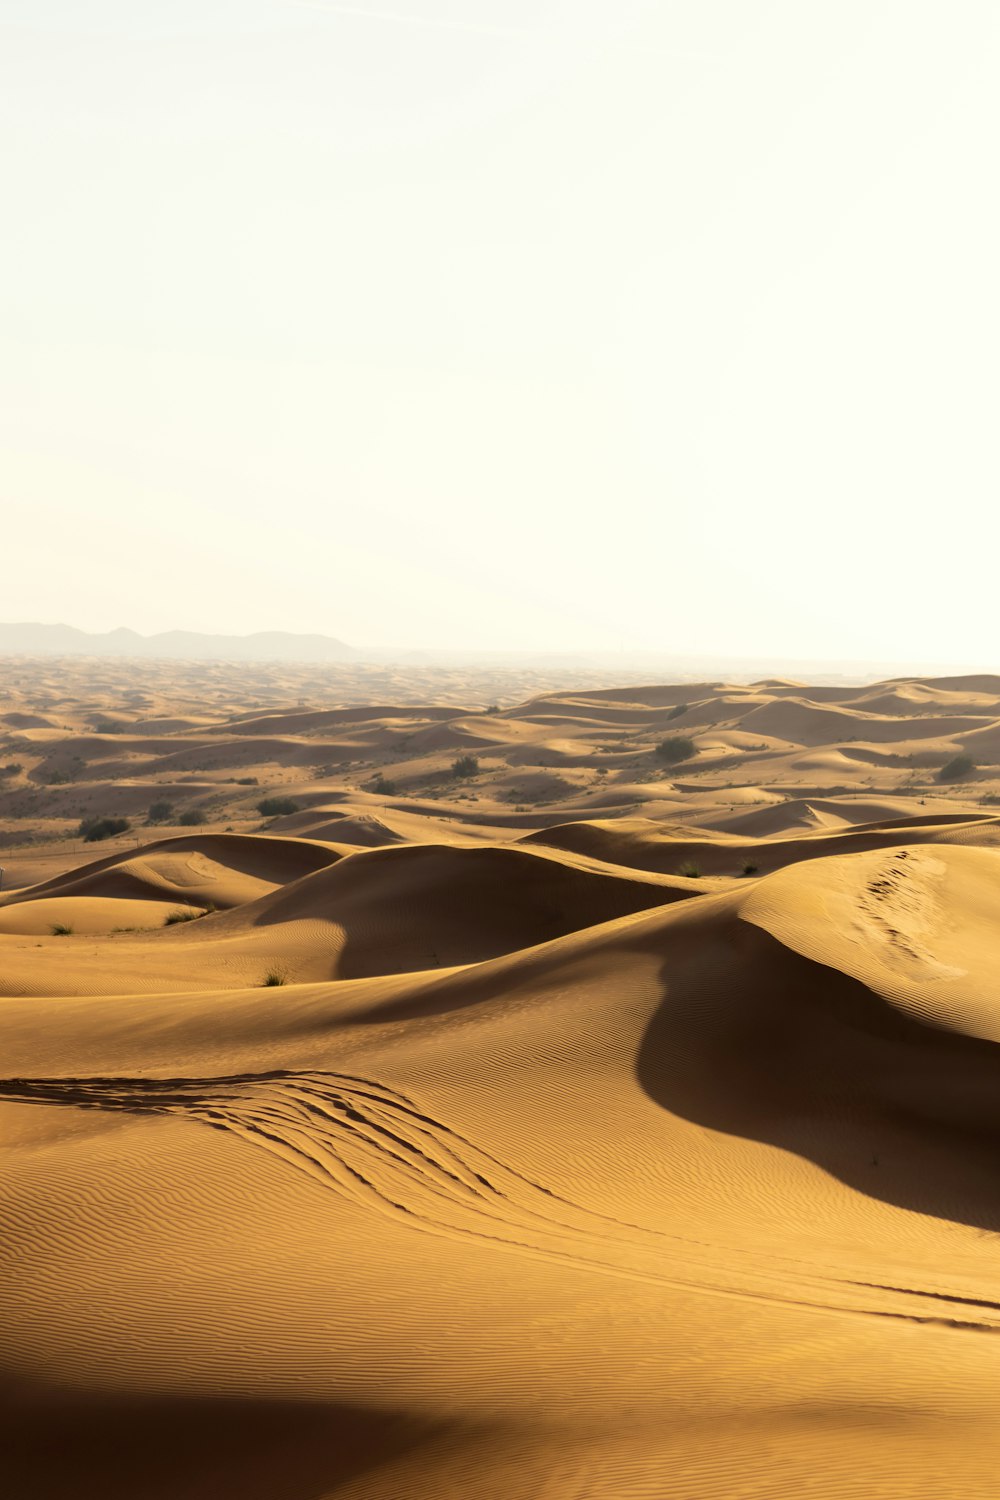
{"points": [[588, 1093]]}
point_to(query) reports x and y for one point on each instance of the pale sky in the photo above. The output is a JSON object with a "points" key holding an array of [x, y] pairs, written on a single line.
{"points": [[506, 324]]}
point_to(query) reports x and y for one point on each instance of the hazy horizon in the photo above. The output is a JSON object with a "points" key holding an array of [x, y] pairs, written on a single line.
{"points": [[31, 638], [513, 327]]}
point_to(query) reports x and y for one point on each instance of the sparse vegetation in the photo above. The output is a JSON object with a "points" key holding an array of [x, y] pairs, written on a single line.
{"points": [[959, 768], [678, 710], [750, 869], [274, 977], [384, 786], [675, 749], [465, 765], [60, 929], [247, 781], [173, 917], [94, 830], [690, 869], [277, 807], [12, 768], [192, 817], [160, 812]]}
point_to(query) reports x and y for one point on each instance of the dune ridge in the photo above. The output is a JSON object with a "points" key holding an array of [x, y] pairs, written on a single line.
{"points": [[572, 1124]]}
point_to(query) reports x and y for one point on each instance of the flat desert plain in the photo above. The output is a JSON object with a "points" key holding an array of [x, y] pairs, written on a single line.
{"points": [[535, 1107]]}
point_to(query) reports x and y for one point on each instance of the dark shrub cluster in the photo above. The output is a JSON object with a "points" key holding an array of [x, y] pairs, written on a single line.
{"points": [[277, 807], [93, 830], [676, 748]]}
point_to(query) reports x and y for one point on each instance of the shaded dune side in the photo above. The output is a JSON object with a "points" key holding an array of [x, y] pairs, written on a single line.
{"points": [[770, 1046], [256, 1447], [375, 912], [738, 1033], [426, 906]]}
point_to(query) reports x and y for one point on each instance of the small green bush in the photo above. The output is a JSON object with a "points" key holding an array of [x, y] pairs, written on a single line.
{"points": [[93, 830], [160, 811], [277, 807], [193, 817], [676, 748], [959, 768], [465, 765]]}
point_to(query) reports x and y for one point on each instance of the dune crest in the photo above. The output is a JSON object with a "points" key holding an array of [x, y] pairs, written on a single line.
{"points": [[499, 1099]]}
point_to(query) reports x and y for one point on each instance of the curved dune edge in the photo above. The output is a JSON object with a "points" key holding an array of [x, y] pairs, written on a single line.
{"points": [[605, 1154]]}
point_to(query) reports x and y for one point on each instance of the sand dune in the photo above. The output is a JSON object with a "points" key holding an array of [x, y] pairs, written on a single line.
{"points": [[634, 1140]]}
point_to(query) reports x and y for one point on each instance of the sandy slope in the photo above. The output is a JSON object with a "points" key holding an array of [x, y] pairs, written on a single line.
{"points": [[546, 1169]]}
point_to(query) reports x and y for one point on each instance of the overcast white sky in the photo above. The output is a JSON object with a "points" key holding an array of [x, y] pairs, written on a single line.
{"points": [[555, 324]]}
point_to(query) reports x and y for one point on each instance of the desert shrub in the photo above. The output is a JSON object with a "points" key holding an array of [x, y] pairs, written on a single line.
{"points": [[277, 807], [465, 765], [93, 830], [173, 917], [676, 748], [959, 768], [192, 817], [57, 778], [678, 710], [273, 978], [12, 768], [383, 785], [247, 781], [160, 811], [750, 869], [690, 869], [60, 929]]}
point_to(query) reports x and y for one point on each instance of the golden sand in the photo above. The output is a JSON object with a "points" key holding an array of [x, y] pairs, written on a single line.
{"points": [[584, 1126]]}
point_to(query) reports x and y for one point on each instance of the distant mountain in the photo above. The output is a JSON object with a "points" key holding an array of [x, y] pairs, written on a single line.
{"points": [[185, 645]]}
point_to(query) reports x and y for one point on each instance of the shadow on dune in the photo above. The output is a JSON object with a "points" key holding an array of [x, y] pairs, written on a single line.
{"points": [[159, 1447], [752, 1040]]}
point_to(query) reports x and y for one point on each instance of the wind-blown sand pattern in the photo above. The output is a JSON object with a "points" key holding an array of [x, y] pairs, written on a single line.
{"points": [[580, 1126]]}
